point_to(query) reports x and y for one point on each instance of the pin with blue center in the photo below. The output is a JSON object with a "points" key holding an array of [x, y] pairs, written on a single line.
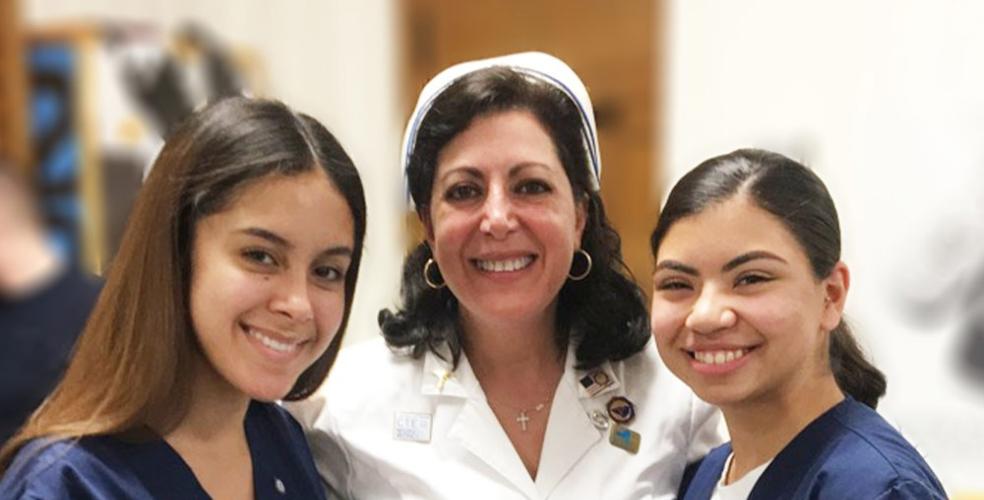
{"points": [[624, 438]]}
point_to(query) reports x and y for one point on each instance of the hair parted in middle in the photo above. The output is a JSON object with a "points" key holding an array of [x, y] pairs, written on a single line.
{"points": [[131, 367], [604, 315]]}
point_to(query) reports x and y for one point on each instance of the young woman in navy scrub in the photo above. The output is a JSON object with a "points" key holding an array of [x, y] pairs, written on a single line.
{"points": [[231, 291], [749, 291]]}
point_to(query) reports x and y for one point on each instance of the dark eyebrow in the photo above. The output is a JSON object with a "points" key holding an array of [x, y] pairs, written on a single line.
{"points": [[338, 251], [468, 171], [270, 236], [280, 241], [677, 266], [519, 167], [750, 256]]}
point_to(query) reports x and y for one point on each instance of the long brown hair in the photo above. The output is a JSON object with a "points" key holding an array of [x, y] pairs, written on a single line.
{"points": [[132, 364]]}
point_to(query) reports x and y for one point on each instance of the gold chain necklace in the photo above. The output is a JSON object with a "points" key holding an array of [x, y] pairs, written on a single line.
{"points": [[523, 417]]}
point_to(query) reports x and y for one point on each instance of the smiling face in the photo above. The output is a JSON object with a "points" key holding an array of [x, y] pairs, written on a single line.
{"points": [[503, 223], [268, 276], [737, 312]]}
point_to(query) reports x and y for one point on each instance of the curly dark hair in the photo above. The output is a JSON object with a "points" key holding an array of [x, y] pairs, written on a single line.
{"points": [[603, 315]]}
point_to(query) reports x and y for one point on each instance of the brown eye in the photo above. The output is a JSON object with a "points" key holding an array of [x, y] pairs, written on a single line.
{"points": [[752, 279], [533, 187], [462, 192], [261, 257], [328, 273], [673, 285]]}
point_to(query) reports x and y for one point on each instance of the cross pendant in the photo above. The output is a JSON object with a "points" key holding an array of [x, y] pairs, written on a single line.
{"points": [[523, 419]]}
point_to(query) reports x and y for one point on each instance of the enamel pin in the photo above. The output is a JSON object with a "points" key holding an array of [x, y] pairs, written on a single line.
{"points": [[621, 410], [624, 438], [595, 381], [442, 378], [409, 426]]}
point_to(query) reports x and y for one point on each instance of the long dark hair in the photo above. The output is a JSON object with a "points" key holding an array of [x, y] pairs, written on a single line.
{"points": [[131, 366], [603, 314], [801, 202]]}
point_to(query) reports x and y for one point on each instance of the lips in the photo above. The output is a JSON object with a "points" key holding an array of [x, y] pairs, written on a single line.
{"points": [[504, 265], [274, 342], [718, 357], [717, 361]]}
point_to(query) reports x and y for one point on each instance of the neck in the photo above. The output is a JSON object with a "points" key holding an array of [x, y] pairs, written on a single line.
{"points": [[26, 264], [211, 438], [508, 348], [755, 443], [215, 413]]}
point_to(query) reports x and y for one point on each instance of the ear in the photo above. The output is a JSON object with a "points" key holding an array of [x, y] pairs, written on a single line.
{"points": [[581, 215], [835, 287]]}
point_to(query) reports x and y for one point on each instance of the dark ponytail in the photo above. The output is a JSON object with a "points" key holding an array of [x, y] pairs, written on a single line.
{"points": [[855, 375]]}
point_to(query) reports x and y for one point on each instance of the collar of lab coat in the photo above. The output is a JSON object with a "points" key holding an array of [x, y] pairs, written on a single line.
{"points": [[440, 379], [570, 433]]}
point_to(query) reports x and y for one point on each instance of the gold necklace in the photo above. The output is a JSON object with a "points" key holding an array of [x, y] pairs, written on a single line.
{"points": [[523, 417]]}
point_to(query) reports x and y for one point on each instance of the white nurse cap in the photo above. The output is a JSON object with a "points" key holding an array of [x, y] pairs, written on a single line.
{"points": [[538, 65]]}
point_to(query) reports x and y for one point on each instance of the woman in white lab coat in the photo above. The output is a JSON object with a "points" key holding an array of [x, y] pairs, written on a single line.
{"points": [[519, 364]]}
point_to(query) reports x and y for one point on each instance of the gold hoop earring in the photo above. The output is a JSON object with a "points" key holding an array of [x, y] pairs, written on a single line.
{"points": [[427, 279], [587, 266]]}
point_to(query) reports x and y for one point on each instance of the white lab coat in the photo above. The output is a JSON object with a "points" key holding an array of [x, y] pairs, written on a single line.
{"points": [[350, 426]]}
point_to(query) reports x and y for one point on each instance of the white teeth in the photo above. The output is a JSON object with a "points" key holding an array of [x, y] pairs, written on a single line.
{"points": [[718, 357], [498, 266], [271, 343]]}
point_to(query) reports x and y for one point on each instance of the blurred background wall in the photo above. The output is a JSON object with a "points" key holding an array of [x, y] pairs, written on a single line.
{"points": [[881, 97]]}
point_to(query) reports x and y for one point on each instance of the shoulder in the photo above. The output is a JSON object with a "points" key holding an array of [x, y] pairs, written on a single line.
{"points": [[86, 468], [368, 362], [867, 450], [701, 477], [365, 375]]}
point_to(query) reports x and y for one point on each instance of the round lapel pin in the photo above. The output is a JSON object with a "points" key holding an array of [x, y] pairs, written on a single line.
{"points": [[621, 410]]}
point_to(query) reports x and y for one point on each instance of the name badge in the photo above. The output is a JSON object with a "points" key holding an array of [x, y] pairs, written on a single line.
{"points": [[412, 427]]}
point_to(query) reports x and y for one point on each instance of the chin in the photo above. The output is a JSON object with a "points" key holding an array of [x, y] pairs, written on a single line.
{"points": [[720, 396], [267, 392]]}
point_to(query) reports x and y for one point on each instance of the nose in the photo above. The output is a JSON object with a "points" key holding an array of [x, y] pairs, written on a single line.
{"points": [[711, 313], [291, 300], [498, 218]]}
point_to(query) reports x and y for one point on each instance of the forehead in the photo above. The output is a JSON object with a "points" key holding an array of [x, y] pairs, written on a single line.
{"points": [[503, 138], [305, 207], [727, 229]]}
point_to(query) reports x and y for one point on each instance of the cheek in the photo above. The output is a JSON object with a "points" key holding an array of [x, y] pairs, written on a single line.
{"points": [[220, 292], [560, 224], [449, 233], [666, 321], [779, 316]]}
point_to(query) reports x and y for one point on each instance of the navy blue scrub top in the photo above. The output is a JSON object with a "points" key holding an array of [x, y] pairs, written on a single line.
{"points": [[106, 467], [848, 452]]}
